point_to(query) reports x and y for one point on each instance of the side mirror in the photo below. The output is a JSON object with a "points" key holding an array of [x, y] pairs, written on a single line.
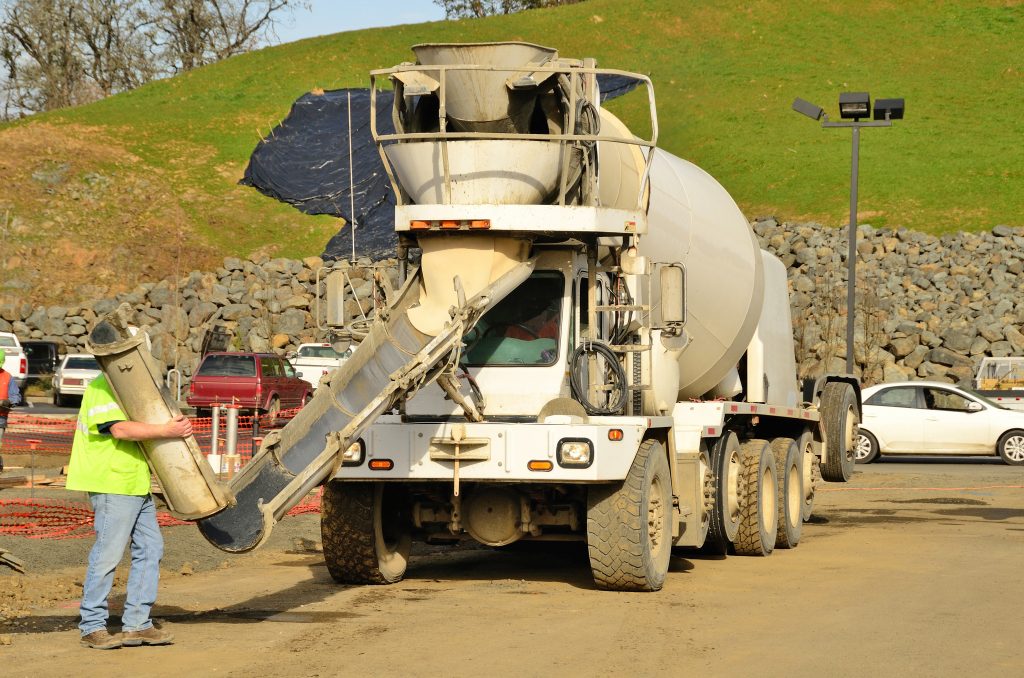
{"points": [[672, 281], [974, 406]]}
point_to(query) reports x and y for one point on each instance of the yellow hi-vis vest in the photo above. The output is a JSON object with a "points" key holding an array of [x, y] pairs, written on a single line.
{"points": [[99, 461]]}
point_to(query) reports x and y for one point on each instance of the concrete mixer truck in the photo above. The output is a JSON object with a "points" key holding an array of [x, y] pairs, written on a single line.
{"points": [[592, 347]]}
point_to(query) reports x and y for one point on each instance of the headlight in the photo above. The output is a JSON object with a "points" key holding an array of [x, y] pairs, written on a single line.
{"points": [[575, 453], [353, 456]]}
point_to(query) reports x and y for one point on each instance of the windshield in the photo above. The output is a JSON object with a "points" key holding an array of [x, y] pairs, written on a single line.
{"points": [[320, 352], [523, 328], [81, 363], [228, 366]]}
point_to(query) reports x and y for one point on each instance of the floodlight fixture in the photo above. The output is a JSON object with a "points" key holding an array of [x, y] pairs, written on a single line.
{"points": [[854, 105], [889, 109], [807, 108]]}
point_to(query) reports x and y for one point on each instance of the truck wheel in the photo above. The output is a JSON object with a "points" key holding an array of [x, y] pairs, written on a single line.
{"points": [[789, 464], [811, 467], [867, 447], [1011, 448], [274, 408], [726, 465], [759, 515], [365, 532], [629, 526], [840, 420]]}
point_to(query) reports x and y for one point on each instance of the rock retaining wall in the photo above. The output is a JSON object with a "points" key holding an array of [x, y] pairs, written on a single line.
{"points": [[927, 307]]}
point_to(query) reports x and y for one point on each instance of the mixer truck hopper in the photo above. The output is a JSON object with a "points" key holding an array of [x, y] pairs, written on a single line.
{"points": [[593, 346]]}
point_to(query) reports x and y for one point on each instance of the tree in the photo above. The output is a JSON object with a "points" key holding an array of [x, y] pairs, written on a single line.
{"points": [[38, 45], [191, 33], [58, 53], [465, 9]]}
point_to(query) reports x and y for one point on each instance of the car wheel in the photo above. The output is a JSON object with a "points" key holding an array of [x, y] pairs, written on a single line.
{"points": [[274, 408], [58, 400], [1011, 448], [866, 450]]}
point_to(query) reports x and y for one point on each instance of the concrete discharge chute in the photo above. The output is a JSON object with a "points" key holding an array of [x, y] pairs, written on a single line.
{"points": [[190, 488], [394, 360]]}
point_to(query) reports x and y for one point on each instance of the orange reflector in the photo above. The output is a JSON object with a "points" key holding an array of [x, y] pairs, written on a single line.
{"points": [[381, 464], [449, 224], [615, 434], [540, 465], [419, 225], [480, 223]]}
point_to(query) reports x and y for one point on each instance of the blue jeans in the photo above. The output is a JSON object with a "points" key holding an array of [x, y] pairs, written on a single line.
{"points": [[118, 520]]}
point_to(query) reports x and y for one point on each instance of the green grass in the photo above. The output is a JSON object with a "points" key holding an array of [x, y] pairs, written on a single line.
{"points": [[725, 75]]}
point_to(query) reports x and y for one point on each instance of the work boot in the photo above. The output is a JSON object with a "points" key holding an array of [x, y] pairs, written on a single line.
{"points": [[102, 640], [150, 636]]}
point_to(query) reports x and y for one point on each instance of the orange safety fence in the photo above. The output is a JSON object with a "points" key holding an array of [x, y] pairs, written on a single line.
{"points": [[53, 519], [34, 434]]}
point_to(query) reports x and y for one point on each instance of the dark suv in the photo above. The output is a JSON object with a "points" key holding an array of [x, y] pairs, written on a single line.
{"points": [[257, 381], [43, 357]]}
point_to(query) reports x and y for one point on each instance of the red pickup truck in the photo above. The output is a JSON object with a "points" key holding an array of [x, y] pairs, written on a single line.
{"points": [[259, 381]]}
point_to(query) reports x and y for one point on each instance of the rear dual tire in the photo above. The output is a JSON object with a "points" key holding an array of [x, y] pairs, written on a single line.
{"points": [[840, 418], [759, 515]]}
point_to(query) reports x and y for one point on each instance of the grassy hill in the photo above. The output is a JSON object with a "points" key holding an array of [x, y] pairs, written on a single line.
{"points": [[144, 184]]}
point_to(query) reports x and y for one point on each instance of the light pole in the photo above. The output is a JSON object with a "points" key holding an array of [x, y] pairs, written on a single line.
{"points": [[853, 105]]}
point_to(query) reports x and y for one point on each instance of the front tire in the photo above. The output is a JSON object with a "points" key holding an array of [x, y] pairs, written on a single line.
{"points": [[840, 417], [759, 515], [867, 447], [365, 532], [629, 526], [1011, 448], [789, 464]]}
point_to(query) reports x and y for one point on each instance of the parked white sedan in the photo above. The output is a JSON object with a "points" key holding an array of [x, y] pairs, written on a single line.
{"points": [[71, 377], [924, 417]]}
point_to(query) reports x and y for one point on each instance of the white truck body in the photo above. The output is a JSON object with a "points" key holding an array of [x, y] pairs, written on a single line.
{"points": [[1001, 380], [314, 361], [15, 360]]}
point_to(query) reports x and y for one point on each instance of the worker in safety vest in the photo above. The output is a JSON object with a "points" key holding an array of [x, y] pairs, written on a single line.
{"points": [[108, 463], [9, 396]]}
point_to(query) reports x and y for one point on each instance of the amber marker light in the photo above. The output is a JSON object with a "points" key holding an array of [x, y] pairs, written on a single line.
{"points": [[450, 224], [540, 465], [381, 464], [480, 223], [615, 434], [417, 225]]}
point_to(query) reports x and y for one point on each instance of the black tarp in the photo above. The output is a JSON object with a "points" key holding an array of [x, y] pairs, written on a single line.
{"points": [[304, 161]]}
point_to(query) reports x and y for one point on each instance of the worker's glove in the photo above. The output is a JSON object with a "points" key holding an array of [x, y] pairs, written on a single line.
{"points": [[5, 404]]}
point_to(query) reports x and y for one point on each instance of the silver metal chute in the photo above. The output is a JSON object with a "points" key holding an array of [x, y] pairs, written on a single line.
{"points": [[393, 361], [480, 100], [189, 486]]}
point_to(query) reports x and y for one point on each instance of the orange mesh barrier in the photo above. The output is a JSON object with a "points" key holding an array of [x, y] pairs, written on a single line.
{"points": [[51, 519], [28, 434]]}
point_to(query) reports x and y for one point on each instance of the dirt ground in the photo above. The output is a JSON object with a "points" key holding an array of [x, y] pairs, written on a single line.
{"points": [[911, 569]]}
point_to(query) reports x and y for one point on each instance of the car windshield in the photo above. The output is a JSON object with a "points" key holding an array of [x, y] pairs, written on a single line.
{"points": [[7, 341], [320, 352], [81, 363], [228, 366]]}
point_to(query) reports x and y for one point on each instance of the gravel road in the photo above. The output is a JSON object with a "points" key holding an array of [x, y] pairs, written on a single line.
{"points": [[911, 569]]}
